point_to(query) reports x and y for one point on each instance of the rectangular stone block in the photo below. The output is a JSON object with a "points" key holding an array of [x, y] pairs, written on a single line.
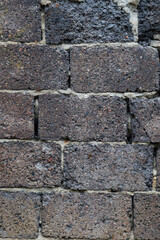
{"points": [[94, 118], [19, 214], [30, 164], [33, 67], [145, 114], [16, 116], [114, 69], [149, 19], [147, 216], [86, 21], [106, 167], [86, 215], [158, 168], [21, 21]]}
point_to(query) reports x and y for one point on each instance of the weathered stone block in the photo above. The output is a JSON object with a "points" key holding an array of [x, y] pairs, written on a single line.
{"points": [[87, 21], [158, 168], [93, 118], [147, 216], [19, 215], [114, 69], [149, 19], [16, 115], [20, 21], [106, 167], [145, 119], [28, 164], [33, 67], [86, 215]]}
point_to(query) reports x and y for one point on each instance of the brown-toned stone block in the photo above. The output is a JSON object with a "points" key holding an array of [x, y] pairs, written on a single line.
{"points": [[86, 21], [106, 167], [19, 215], [20, 21], [93, 118], [86, 215], [147, 216], [33, 67], [114, 69], [16, 115], [145, 114], [30, 164]]}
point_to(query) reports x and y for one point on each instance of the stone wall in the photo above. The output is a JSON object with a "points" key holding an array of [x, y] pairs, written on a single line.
{"points": [[79, 119]]}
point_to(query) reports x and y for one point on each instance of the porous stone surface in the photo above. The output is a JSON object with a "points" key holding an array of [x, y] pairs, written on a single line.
{"points": [[147, 216], [145, 114], [20, 21], [149, 19], [114, 69], [19, 215], [63, 117], [106, 167], [33, 67], [86, 215], [158, 168], [16, 115], [86, 22], [30, 164]]}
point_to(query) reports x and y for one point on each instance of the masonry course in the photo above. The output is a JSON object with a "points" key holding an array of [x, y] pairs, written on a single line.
{"points": [[19, 214], [30, 164], [33, 67], [114, 69], [21, 21], [147, 216], [86, 22], [99, 118], [17, 116], [83, 215], [106, 167]]}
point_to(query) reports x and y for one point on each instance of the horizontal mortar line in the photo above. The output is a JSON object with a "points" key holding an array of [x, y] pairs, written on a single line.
{"points": [[124, 95], [60, 189], [67, 142]]}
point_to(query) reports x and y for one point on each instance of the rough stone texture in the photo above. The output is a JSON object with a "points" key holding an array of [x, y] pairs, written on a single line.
{"points": [[30, 164], [16, 115], [147, 216], [33, 67], [20, 21], [149, 19], [86, 215], [158, 168], [19, 214], [105, 167], [100, 118], [88, 21], [145, 119], [114, 69]]}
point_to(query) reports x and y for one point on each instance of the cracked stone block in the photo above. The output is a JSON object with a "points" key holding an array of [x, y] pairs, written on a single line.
{"points": [[145, 115], [86, 22], [63, 117], [19, 215], [149, 19], [106, 167], [30, 164], [147, 216], [20, 21], [114, 69], [86, 215], [33, 67], [158, 168], [16, 115]]}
